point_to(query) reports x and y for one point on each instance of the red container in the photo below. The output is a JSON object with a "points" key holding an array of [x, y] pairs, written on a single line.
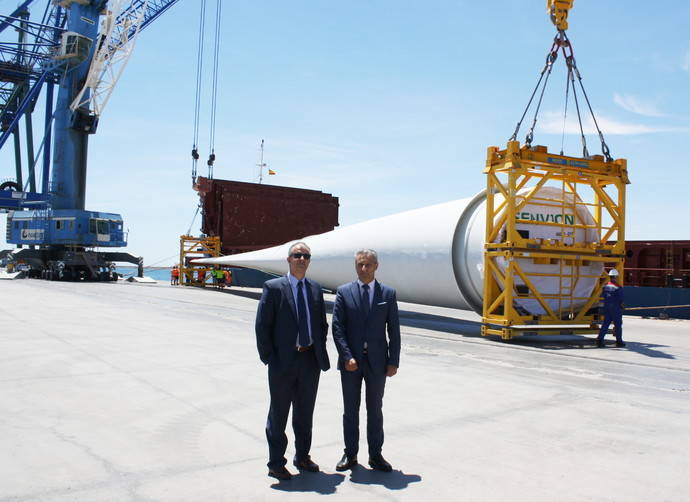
{"points": [[250, 216], [661, 264]]}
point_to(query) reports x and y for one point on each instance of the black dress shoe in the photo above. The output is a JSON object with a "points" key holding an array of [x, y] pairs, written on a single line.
{"points": [[377, 462], [280, 473], [306, 464], [346, 463]]}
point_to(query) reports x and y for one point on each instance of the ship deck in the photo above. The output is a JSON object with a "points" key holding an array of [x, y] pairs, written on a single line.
{"points": [[135, 392]]}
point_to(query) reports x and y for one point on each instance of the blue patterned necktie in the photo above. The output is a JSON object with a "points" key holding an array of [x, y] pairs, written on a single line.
{"points": [[303, 338], [365, 300]]}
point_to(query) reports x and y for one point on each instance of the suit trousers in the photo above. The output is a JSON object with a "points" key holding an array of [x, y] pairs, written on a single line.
{"points": [[296, 387], [352, 396]]}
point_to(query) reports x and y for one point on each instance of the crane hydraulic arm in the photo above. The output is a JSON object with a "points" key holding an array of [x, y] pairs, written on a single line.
{"points": [[82, 47]]}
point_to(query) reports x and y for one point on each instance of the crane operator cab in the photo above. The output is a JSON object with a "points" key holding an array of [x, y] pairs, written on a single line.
{"points": [[65, 227]]}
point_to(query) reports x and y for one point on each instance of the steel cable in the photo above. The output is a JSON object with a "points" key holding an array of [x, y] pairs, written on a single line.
{"points": [[214, 90], [197, 97]]}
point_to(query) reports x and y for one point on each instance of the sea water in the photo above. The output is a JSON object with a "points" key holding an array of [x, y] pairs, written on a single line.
{"points": [[158, 274]]}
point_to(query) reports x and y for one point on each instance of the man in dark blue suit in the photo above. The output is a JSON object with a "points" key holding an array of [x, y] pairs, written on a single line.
{"points": [[366, 331], [291, 332]]}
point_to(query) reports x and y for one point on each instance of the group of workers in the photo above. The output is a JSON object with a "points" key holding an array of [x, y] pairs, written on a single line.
{"points": [[221, 277]]}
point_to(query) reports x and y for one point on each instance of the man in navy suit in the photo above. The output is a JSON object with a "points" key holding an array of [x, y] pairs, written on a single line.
{"points": [[291, 332], [366, 331]]}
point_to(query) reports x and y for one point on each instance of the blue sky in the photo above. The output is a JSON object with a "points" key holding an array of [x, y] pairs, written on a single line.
{"points": [[388, 105]]}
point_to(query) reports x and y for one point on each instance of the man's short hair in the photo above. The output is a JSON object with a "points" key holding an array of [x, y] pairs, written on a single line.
{"points": [[367, 252], [298, 244]]}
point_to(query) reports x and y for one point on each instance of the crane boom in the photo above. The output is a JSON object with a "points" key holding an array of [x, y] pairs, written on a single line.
{"points": [[121, 25], [83, 46]]}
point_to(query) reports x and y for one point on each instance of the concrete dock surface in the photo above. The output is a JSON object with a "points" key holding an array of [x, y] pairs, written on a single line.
{"points": [[134, 392]]}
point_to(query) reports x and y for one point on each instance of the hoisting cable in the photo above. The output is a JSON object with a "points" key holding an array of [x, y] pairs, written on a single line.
{"points": [[561, 42], [214, 91], [565, 109], [604, 147], [550, 58], [530, 134], [571, 76], [189, 230], [197, 97]]}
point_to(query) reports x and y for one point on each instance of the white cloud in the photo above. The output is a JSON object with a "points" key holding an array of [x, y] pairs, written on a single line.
{"points": [[552, 122], [637, 105]]}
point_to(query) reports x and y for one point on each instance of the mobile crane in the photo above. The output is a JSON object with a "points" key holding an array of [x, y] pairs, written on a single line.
{"points": [[80, 46]]}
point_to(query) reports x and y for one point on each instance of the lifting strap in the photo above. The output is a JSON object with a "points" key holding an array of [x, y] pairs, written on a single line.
{"points": [[562, 43]]}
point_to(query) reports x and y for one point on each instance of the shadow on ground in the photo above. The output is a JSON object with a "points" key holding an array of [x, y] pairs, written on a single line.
{"points": [[317, 482], [395, 480], [472, 329]]}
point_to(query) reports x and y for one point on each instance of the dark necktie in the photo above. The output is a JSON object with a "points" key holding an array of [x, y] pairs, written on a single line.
{"points": [[303, 338], [365, 300]]}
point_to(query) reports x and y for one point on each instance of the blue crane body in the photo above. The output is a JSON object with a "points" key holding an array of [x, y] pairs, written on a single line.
{"points": [[61, 50]]}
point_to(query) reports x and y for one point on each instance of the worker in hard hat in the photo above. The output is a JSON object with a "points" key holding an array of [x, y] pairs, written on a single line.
{"points": [[613, 310]]}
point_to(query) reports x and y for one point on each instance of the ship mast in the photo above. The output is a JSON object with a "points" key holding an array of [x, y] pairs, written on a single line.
{"points": [[261, 163]]}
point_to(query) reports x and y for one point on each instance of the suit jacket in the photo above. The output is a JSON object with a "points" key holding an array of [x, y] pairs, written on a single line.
{"points": [[277, 327], [351, 329]]}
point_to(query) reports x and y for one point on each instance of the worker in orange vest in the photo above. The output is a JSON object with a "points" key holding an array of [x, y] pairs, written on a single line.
{"points": [[228, 277], [175, 276]]}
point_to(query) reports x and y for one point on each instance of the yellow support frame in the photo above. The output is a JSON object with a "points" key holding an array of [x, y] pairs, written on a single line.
{"points": [[196, 247], [592, 183]]}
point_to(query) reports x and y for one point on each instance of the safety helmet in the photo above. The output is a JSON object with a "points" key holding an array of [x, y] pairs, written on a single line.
{"points": [[613, 273]]}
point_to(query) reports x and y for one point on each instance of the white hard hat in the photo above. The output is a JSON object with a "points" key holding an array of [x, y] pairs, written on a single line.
{"points": [[613, 273]]}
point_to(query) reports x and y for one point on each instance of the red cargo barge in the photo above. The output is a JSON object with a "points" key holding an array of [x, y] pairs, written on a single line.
{"points": [[251, 216]]}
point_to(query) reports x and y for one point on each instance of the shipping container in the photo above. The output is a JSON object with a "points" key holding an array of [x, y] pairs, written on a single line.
{"points": [[251, 216]]}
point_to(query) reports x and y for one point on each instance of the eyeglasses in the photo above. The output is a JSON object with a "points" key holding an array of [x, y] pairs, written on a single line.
{"points": [[306, 256]]}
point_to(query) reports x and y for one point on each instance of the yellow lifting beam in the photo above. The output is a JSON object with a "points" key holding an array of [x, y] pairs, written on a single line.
{"points": [[517, 177], [192, 274]]}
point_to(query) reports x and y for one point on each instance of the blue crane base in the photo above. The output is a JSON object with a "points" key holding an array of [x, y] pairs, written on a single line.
{"points": [[62, 243], [56, 263]]}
